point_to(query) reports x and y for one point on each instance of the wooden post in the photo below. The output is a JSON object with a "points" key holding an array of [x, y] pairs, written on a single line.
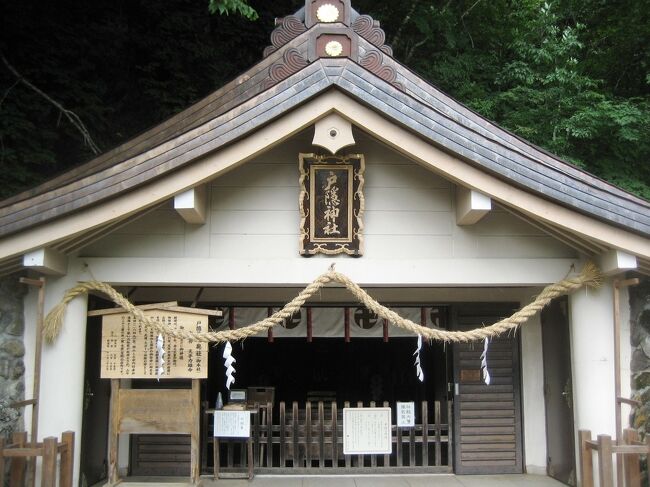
{"points": [[385, 330], [48, 474], [2, 460], [269, 434], [346, 323], [67, 459], [586, 459], [195, 470], [632, 464], [216, 458], [269, 312], [335, 436], [36, 389], [113, 432], [283, 435], [17, 469], [618, 284], [310, 325], [605, 463]]}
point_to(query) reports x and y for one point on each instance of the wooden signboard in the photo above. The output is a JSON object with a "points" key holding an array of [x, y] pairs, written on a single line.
{"points": [[331, 204], [129, 347]]}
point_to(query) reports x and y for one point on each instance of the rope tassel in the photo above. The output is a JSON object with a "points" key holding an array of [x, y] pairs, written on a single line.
{"points": [[589, 277]]}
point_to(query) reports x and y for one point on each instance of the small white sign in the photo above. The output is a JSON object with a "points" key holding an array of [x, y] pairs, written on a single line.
{"points": [[405, 414], [367, 431], [232, 424]]}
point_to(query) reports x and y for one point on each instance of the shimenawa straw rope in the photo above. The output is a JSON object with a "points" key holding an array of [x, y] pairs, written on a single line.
{"points": [[590, 277]]}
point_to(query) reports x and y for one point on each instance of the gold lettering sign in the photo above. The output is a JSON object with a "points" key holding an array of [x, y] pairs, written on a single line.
{"points": [[129, 348], [331, 204]]}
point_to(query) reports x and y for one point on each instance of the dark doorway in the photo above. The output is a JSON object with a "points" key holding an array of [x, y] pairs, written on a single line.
{"points": [[365, 369], [558, 392], [97, 392], [487, 418]]}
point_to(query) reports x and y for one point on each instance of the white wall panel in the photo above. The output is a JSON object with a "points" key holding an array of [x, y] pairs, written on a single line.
{"points": [[254, 213]]}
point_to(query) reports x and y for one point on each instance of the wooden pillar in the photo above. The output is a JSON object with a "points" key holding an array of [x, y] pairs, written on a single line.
{"points": [[36, 389], [114, 432], [346, 323]]}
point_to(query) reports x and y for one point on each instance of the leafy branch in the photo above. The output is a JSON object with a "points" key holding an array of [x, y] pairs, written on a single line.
{"points": [[72, 117], [226, 7]]}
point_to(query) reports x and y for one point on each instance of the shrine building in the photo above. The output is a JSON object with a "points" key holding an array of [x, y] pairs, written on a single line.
{"points": [[328, 152]]}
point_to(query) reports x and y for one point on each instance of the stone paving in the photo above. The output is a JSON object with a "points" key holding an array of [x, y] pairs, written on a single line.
{"points": [[369, 481]]}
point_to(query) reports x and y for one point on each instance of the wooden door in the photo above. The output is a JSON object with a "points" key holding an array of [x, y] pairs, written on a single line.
{"points": [[557, 392], [487, 418]]}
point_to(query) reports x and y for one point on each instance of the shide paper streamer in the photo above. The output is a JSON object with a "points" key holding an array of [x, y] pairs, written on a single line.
{"points": [[484, 367], [418, 367], [229, 360], [160, 342]]}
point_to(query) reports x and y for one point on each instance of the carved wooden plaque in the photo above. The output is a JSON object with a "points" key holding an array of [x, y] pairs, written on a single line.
{"points": [[129, 347], [331, 204]]}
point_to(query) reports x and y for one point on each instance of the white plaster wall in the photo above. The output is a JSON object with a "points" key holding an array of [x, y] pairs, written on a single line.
{"points": [[592, 353], [62, 364], [532, 375], [410, 214]]}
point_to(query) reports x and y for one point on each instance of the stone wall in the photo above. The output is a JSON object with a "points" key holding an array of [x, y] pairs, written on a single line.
{"points": [[12, 351], [640, 366]]}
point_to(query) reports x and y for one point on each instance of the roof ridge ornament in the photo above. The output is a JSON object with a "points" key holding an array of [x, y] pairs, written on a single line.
{"points": [[288, 28]]}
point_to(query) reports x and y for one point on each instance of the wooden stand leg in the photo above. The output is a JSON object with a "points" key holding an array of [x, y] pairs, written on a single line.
{"points": [[113, 434], [67, 459], [48, 473], [586, 459], [196, 432], [216, 458], [251, 459]]}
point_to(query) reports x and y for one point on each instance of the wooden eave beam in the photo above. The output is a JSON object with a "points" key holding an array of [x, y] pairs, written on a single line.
{"points": [[471, 206], [191, 205], [46, 260]]}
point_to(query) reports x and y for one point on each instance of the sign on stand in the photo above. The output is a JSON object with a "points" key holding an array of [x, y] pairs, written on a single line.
{"points": [[367, 431], [232, 424]]}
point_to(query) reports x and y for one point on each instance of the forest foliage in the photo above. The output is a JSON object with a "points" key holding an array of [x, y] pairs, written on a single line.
{"points": [[572, 76]]}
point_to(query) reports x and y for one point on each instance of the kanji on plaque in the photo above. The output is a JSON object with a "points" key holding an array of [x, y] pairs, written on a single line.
{"points": [[129, 347]]}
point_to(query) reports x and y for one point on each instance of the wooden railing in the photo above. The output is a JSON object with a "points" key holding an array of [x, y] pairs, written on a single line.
{"points": [[309, 440], [19, 451], [630, 448]]}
